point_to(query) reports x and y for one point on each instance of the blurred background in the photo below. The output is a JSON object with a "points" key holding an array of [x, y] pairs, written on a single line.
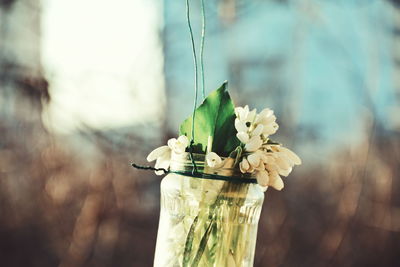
{"points": [[87, 87]]}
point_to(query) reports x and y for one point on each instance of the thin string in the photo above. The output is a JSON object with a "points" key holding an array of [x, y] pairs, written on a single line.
{"points": [[195, 83], [203, 37], [233, 179]]}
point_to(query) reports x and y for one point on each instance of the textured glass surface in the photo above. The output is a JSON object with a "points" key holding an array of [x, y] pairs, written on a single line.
{"points": [[218, 218]]}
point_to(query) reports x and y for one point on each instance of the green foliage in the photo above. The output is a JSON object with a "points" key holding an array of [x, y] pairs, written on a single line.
{"points": [[189, 242], [203, 244], [215, 117]]}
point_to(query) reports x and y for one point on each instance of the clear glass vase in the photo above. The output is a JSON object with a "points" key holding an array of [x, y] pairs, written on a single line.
{"points": [[206, 222]]}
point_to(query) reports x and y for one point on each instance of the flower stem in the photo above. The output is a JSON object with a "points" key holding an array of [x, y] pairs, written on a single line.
{"points": [[203, 244], [189, 242]]}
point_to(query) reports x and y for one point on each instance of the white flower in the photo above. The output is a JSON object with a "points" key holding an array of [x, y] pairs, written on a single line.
{"points": [[282, 163], [291, 155], [258, 130], [253, 144], [162, 154], [244, 165], [263, 178], [267, 118], [244, 114], [264, 188], [178, 145], [243, 137], [268, 158], [243, 122], [266, 161], [275, 181], [285, 172], [241, 126], [213, 160], [270, 129], [158, 152], [252, 163], [254, 159], [269, 163], [253, 128], [284, 158]]}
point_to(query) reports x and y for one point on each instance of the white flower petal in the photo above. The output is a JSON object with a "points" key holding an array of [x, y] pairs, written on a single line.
{"points": [[259, 119], [213, 160], [254, 159], [262, 178], [260, 167], [251, 169], [267, 158], [254, 143], [180, 147], [251, 115], [276, 181], [242, 113], [245, 112], [162, 163], [285, 172], [291, 155], [243, 137], [266, 112], [271, 167], [264, 188], [241, 126], [258, 130], [282, 163], [270, 119], [238, 112], [183, 140], [244, 165], [166, 157], [159, 173], [158, 152], [265, 117], [285, 157], [270, 129], [171, 142]]}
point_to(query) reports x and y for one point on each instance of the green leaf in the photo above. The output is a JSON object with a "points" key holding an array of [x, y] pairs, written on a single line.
{"points": [[203, 243], [189, 242], [214, 117]]}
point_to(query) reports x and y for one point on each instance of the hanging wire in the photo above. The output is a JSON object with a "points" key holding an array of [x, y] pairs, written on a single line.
{"points": [[203, 37], [195, 83], [195, 64], [194, 172]]}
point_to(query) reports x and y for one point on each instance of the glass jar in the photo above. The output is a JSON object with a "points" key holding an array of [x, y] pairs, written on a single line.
{"points": [[206, 222]]}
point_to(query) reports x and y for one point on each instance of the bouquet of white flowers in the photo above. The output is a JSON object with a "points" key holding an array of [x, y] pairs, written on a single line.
{"points": [[218, 167]]}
